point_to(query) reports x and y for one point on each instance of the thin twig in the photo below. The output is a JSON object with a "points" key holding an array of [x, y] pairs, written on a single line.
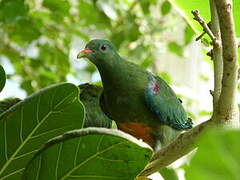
{"points": [[200, 36], [206, 29]]}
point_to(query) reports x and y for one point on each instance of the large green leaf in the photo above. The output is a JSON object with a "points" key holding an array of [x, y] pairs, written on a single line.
{"points": [[218, 157], [30, 123], [185, 8], [89, 154], [10, 11], [2, 78]]}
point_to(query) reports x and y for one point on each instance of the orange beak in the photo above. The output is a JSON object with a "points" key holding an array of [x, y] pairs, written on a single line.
{"points": [[83, 53]]}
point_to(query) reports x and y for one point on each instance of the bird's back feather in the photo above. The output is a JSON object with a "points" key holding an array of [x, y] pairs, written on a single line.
{"points": [[164, 103]]}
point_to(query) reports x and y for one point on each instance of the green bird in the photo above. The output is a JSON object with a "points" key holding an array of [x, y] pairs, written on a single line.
{"points": [[142, 104], [90, 97]]}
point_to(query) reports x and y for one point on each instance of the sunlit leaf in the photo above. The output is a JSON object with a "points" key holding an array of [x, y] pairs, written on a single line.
{"points": [[185, 8], [92, 153], [175, 48], [188, 34], [166, 8], [145, 4]]}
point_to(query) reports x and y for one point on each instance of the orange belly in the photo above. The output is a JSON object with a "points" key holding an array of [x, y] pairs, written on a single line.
{"points": [[138, 130]]}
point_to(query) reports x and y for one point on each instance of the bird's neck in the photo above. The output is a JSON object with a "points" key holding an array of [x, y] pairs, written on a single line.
{"points": [[112, 74]]}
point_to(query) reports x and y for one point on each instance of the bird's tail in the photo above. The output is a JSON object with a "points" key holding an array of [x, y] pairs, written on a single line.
{"points": [[165, 135]]}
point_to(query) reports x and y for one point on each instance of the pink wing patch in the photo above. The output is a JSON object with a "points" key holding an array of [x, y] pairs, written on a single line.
{"points": [[155, 87]]}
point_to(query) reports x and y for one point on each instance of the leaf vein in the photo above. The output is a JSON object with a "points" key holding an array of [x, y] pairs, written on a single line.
{"points": [[57, 163], [21, 125], [5, 139], [12, 173], [91, 157], [29, 136], [39, 168], [75, 158], [22, 155]]}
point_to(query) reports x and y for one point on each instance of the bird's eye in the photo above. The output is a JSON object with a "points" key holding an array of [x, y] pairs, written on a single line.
{"points": [[103, 47]]}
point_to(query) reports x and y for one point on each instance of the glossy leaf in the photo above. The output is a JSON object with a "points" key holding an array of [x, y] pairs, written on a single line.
{"points": [[145, 4], [2, 78], [188, 34], [166, 8], [33, 121], [185, 8], [217, 157], [92, 153], [175, 48]]}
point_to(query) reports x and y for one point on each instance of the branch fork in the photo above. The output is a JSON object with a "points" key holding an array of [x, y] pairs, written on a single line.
{"points": [[205, 27], [225, 56]]}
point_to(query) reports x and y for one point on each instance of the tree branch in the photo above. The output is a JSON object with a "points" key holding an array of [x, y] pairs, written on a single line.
{"points": [[225, 86], [216, 56], [227, 110], [178, 148]]}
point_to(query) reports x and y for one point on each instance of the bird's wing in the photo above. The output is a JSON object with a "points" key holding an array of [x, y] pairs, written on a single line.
{"points": [[164, 103]]}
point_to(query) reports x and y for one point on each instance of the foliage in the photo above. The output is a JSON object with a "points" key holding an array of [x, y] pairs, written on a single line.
{"points": [[33, 121], [95, 153], [186, 7], [54, 111], [37, 36], [217, 157]]}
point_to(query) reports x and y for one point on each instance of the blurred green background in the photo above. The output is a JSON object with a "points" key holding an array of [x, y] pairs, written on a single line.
{"points": [[39, 40]]}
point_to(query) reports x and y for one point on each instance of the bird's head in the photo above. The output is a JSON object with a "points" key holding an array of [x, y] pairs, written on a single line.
{"points": [[99, 51]]}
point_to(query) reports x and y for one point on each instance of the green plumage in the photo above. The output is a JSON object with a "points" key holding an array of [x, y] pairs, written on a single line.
{"points": [[90, 97], [132, 94], [165, 104]]}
